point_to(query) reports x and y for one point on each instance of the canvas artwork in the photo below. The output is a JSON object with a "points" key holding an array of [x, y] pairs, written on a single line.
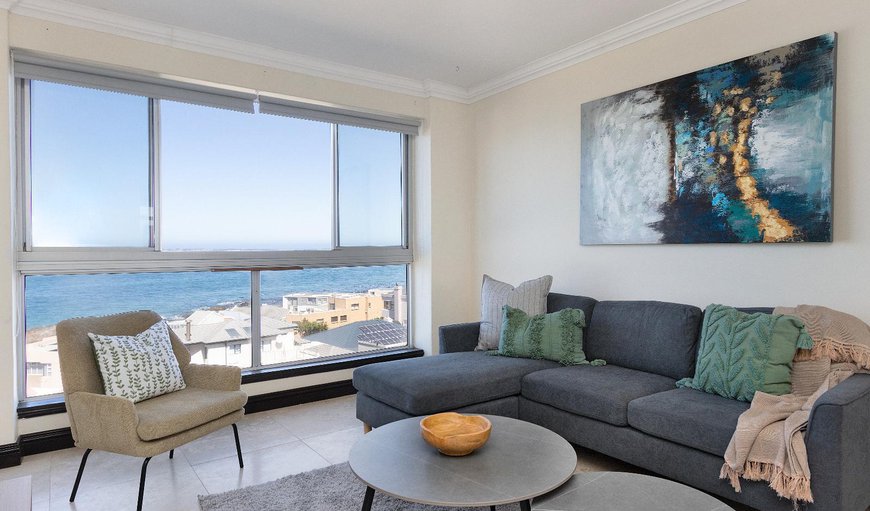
{"points": [[735, 153]]}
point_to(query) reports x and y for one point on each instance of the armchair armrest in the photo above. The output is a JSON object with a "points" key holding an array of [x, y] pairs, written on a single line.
{"points": [[458, 337], [212, 377], [107, 423], [838, 446]]}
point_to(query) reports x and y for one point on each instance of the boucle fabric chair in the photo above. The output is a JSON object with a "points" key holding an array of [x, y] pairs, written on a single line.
{"points": [[212, 399]]}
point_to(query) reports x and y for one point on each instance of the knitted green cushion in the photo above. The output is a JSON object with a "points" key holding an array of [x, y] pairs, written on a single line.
{"points": [[557, 336], [742, 353]]}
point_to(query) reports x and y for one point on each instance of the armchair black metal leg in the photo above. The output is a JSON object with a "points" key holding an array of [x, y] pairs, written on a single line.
{"points": [[525, 505], [72, 496], [142, 483], [171, 453], [238, 446]]}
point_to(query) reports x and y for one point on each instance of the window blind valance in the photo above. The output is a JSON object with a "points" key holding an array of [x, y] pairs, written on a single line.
{"points": [[333, 114], [36, 67]]}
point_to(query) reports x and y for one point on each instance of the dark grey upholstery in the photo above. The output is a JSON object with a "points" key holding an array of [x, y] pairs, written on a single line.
{"points": [[598, 392], [427, 385], [684, 464], [838, 443], [376, 414], [458, 337], [689, 417], [657, 337], [628, 409]]}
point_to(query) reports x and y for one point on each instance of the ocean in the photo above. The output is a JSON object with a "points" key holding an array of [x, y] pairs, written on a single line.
{"points": [[52, 298]]}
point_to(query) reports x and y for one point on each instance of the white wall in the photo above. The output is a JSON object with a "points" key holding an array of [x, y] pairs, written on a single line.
{"points": [[528, 167], [438, 250]]}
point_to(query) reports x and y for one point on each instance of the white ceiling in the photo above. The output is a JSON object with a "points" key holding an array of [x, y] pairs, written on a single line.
{"points": [[461, 47]]}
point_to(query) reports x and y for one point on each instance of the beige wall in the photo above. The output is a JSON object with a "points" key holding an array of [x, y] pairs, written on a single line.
{"points": [[442, 120], [528, 168], [496, 184]]}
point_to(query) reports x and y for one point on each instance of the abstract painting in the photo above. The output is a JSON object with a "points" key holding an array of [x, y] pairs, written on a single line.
{"points": [[735, 153]]}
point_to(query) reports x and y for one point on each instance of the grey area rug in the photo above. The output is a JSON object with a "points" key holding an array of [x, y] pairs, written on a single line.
{"points": [[333, 488]]}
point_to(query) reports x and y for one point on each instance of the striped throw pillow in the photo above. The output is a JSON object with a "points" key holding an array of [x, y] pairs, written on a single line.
{"points": [[529, 297]]}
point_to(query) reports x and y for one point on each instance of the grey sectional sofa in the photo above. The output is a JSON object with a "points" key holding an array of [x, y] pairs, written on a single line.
{"points": [[630, 408]]}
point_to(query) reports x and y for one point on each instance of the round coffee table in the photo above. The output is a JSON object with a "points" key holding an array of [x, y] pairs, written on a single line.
{"points": [[519, 462], [588, 491]]}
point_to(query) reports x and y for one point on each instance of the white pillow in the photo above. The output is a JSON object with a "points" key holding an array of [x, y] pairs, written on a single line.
{"points": [[530, 297], [140, 366]]}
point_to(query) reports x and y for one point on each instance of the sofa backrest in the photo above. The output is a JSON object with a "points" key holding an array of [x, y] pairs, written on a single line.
{"points": [[557, 302], [656, 337]]}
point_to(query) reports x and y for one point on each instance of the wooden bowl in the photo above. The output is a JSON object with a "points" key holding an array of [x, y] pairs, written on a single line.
{"points": [[455, 434]]}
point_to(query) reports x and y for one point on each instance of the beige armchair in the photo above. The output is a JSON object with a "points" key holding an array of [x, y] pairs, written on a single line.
{"points": [[213, 398]]}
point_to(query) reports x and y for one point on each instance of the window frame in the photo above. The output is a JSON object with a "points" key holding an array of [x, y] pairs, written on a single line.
{"points": [[30, 260]]}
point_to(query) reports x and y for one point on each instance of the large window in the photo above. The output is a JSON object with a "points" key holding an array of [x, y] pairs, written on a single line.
{"points": [[264, 231]]}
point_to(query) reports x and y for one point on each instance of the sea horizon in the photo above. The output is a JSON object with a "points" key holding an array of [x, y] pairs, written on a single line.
{"points": [[53, 298]]}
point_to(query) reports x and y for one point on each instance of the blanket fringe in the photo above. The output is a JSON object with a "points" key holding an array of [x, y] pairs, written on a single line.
{"points": [[790, 487], [732, 475], [843, 352]]}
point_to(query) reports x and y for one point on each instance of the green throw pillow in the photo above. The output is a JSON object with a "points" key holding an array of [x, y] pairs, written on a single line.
{"points": [[743, 353], [557, 336]]}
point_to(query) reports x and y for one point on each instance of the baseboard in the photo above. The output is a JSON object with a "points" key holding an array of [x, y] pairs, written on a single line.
{"points": [[10, 455], [291, 397], [45, 441]]}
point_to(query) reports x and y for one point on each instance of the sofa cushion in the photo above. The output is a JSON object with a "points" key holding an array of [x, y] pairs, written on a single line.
{"points": [[688, 417], [556, 336], [656, 337], [743, 353], [425, 385], [179, 411], [530, 297], [597, 392]]}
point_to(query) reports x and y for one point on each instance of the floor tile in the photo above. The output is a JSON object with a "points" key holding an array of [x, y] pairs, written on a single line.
{"points": [[260, 466], [256, 431], [38, 467], [175, 487], [335, 447], [104, 469], [314, 419]]}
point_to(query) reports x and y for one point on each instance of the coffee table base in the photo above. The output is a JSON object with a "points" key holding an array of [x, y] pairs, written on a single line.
{"points": [[525, 505]]}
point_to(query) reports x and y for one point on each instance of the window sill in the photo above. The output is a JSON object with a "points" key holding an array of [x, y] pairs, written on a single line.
{"points": [[54, 404]]}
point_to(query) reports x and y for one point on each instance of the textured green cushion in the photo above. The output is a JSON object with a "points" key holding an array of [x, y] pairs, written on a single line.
{"points": [[557, 336], [743, 353]]}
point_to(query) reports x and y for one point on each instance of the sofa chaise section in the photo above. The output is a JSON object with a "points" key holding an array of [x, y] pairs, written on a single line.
{"points": [[452, 381]]}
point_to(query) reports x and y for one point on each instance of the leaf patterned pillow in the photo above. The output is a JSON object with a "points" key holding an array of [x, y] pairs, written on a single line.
{"points": [[138, 367], [742, 353]]}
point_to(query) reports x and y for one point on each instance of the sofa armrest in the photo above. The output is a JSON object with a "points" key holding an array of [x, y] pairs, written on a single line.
{"points": [[212, 377], [107, 423], [838, 446], [458, 337]]}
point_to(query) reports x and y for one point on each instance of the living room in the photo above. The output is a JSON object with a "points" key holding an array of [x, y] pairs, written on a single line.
{"points": [[488, 133]]}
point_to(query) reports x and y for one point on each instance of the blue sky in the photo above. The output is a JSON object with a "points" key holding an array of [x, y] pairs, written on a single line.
{"points": [[229, 180]]}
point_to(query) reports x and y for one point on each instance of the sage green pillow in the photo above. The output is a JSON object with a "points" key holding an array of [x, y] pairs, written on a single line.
{"points": [[742, 353], [557, 336]]}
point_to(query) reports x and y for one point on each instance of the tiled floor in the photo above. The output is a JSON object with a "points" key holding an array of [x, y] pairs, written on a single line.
{"points": [[274, 443]]}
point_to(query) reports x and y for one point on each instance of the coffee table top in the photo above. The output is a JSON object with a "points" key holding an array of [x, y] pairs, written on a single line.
{"points": [[624, 491], [520, 461]]}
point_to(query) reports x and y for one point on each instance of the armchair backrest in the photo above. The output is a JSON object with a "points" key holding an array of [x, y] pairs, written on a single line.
{"points": [[78, 365]]}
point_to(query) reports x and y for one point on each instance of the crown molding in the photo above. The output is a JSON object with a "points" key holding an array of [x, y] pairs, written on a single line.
{"points": [[651, 24], [68, 13], [100, 20]]}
